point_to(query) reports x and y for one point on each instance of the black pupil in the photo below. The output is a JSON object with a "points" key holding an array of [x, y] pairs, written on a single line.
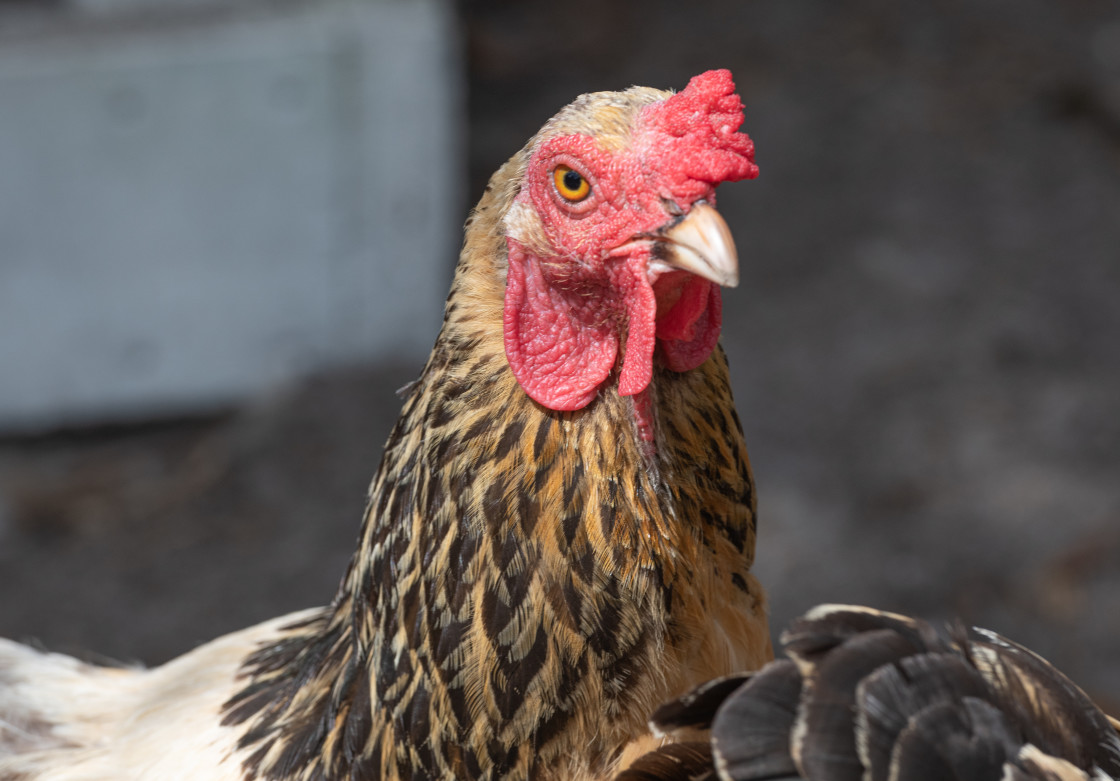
{"points": [[572, 180]]}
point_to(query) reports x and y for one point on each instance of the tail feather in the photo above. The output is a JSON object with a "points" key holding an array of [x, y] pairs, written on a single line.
{"points": [[769, 703], [883, 697]]}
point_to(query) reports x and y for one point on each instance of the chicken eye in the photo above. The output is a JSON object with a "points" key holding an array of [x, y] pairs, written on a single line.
{"points": [[570, 184]]}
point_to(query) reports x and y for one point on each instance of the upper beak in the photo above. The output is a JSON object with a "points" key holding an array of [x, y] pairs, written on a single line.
{"points": [[699, 243]]}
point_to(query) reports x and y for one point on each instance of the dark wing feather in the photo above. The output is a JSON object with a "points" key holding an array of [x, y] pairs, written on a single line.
{"points": [[888, 698], [1057, 716], [818, 632], [750, 737], [883, 697], [672, 762], [825, 746], [697, 707], [966, 739]]}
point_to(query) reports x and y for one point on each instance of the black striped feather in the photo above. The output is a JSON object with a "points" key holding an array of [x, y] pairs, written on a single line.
{"points": [[868, 695]]}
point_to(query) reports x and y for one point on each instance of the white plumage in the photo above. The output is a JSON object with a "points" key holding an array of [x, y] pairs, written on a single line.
{"points": [[65, 720]]}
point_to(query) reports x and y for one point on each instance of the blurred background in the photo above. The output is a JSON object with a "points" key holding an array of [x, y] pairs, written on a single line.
{"points": [[226, 229]]}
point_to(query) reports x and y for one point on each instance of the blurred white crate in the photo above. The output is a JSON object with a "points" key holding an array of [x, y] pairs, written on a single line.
{"points": [[195, 207]]}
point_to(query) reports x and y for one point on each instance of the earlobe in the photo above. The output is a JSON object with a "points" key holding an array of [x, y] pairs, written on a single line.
{"points": [[558, 349]]}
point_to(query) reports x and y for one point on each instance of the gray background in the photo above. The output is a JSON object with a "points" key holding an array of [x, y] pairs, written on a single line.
{"points": [[925, 344]]}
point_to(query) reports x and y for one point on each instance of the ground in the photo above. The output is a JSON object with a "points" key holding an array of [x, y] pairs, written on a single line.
{"points": [[925, 344]]}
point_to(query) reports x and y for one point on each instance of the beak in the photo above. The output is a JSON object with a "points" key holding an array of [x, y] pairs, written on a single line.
{"points": [[699, 243]]}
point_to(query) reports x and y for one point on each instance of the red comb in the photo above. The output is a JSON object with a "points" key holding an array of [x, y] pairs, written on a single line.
{"points": [[697, 130]]}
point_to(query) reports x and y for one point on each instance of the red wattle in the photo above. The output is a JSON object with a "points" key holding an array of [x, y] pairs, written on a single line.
{"points": [[559, 346], [679, 323], [562, 345], [641, 306], [689, 331]]}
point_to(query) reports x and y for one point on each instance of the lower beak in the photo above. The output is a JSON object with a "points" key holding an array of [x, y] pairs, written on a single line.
{"points": [[699, 243]]}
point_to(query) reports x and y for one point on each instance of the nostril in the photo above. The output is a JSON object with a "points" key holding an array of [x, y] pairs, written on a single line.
{"points": [[672, 207]]}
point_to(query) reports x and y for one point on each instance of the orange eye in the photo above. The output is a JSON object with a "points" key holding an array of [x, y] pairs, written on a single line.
{"points": [[570, 184]]}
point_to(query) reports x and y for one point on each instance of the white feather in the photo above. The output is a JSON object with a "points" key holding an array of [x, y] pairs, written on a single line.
{"points": [[66, 720]]}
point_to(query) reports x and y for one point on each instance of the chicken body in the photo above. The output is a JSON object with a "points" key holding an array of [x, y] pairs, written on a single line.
{"points": [[559, 536]]}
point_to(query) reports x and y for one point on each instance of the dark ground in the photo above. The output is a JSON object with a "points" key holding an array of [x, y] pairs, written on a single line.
{"points": [[925, 345]]}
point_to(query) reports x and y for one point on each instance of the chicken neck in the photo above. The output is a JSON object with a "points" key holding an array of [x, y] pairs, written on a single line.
{"points": [[529, 584]]}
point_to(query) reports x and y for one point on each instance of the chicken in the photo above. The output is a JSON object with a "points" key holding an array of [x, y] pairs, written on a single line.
{"points": [[873, 695], [559, 536]]}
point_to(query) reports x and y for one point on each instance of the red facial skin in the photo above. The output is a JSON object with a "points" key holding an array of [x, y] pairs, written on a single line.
{"points": [[567, 308]]}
